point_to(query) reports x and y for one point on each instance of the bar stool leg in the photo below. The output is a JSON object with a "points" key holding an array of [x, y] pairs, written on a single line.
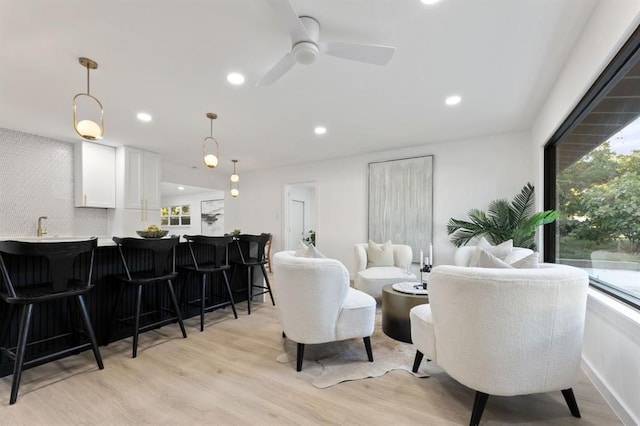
{"points": [[183, 287], [249, 288], [233, 305], [90, 333], [137, 320], [25, 323], [172, 294], [266, 279], [112, 321], [203, 296], [6, 325]]}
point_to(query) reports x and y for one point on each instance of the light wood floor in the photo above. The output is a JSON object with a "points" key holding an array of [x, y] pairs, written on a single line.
{"points": [[228, 375]]}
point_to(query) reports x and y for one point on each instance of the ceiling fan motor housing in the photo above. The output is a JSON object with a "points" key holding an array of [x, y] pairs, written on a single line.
{"points": [[305, 52]]}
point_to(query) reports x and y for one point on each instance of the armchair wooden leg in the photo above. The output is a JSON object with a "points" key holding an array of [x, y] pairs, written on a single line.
{"points": [[570, 398], [478, 407], [417, 361], [367, 346], [300, 356]]}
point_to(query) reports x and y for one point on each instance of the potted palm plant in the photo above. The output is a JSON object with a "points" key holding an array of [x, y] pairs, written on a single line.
{"points": [[503, 221]]}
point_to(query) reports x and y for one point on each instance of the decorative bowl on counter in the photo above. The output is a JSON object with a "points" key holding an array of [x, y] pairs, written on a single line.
{"points": [[153, 234]]}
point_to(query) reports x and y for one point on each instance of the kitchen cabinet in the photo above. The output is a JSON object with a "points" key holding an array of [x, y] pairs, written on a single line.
{"points": [[141, 188], [137, 191], [95, 175], [125, 222]]}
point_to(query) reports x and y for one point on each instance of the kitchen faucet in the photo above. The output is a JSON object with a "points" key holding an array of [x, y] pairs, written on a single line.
{"points": [[41, 231]]}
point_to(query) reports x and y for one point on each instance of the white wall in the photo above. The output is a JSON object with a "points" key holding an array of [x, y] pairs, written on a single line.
{"points": [[611, 355], [37, 179], [467, 174], [194, 201]]}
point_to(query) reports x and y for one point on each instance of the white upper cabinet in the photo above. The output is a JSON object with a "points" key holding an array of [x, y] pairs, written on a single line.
{"points": [[95, 175], [141, 179], [151, 181]]}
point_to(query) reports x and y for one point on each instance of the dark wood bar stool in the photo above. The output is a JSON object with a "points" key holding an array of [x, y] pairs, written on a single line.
{"points": [[162, 270], [62, 274], [252, 254], [210, 256]]}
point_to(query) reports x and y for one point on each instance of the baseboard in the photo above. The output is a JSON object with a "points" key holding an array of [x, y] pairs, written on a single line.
{"points": [[621, 411]]}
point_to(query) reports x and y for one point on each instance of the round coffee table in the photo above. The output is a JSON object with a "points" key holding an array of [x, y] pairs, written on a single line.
{"points": [[395, 312]]}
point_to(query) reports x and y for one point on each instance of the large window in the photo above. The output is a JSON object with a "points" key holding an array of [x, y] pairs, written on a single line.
{"points": [[592, 178]]}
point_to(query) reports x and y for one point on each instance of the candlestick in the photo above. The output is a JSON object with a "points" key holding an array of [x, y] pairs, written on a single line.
{"points": [[421, 264], [431, 252]]}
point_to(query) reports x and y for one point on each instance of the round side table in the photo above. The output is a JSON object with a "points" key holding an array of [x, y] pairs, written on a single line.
{"points": [[395, 312]]}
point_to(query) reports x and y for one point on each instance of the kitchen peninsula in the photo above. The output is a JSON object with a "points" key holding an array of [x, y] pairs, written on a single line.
{"points": [[100, 301]]}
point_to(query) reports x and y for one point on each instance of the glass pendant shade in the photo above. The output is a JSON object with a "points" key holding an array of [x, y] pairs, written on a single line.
{"points": [[210, 160], [234, 185], [90, 129], [209, 157]]}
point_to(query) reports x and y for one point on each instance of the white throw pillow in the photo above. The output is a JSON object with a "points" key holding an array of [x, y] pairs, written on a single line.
{"points": [[302, 250], [307, 250], [527, 262], [501, 251], [488, 260], [379, 254]]}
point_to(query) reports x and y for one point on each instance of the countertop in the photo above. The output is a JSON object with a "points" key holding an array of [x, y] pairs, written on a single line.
{"points": [[102, 241]]}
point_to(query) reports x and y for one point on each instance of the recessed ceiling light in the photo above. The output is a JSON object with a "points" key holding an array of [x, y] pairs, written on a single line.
{"points": [[453, 100], [143, 116], [181, 188], [235, 78], [320, 130], [430, 1]]}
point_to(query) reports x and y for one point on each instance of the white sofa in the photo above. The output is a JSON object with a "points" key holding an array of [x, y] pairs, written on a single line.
{"points": [[372, 279], [317, 305], [504, 331]]}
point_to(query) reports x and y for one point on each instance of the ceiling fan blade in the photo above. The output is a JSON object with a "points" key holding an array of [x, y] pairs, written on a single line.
{"points": [[369, 53], [278, 70], [287, 14]]}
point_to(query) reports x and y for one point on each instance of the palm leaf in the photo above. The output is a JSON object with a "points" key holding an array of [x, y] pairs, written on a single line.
{"points": [[503, 221], [523, 203]]}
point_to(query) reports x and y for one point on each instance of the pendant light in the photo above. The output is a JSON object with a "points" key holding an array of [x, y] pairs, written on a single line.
{"points": [[210, 159], [87, 128], [235, 181]]}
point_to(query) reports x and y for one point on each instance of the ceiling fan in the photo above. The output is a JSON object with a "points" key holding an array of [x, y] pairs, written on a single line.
{"points": [[305, 48]]}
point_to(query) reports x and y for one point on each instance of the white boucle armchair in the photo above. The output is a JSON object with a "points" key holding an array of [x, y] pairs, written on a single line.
{"points": [[317, 305], [504, 331], [372, 279]]}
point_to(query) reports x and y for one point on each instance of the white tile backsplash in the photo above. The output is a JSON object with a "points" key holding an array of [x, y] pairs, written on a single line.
{"points": [[36, 179]]}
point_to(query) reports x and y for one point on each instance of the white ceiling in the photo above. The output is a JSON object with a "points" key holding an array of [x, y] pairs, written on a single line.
{"points": [[170, 58]]}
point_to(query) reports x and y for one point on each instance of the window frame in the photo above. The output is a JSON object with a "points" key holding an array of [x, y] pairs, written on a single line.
{"points": [[626, 58], [180, 216]]}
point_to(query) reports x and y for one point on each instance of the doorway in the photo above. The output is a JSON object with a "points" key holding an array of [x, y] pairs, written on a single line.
{"points": [[300, 212]]}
